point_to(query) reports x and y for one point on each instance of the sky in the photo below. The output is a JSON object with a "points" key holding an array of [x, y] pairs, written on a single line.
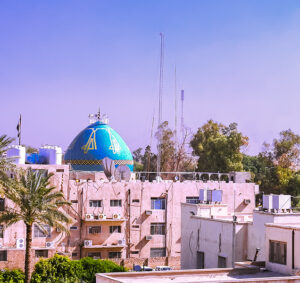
{"points": [[238, 61]]}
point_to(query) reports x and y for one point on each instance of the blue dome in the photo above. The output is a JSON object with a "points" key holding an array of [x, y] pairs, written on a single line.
{"points": [[95, 142]]}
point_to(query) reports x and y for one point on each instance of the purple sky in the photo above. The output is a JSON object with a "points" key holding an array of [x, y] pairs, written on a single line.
{"points": [[238, 61]]}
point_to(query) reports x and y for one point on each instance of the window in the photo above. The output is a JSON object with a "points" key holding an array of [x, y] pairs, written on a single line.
{"points": [[95, 255], [134, 252], [157, 228], [3, 255], [135, 226], [135, 200], [277, 252], [193, 200], [222, 262], [60, 170], [41, 253], [158, 203], [114, 229], [94, 229], [200, 260], [74, 201], [73, 228], [115, 202], [157, 252], [114, 255], [74, 255], [2, 202], [1, 231], [38, 233], [95, 203]]}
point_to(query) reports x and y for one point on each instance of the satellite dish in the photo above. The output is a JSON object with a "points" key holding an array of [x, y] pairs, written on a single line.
{"points": [[109, 167], [122, 173]]}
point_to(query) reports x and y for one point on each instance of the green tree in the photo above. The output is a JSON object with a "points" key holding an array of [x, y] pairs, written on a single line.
{"points": [[218, 147], [35, 201], [5, 162]]}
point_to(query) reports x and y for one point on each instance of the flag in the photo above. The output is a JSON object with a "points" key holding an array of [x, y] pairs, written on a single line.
{"points": [[19, 126]]}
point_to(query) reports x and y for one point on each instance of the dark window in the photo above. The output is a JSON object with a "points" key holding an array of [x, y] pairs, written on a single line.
{"points": [[41, 253], [73, 228], [277, 252], [95, 255], [135, 200], [114, 255], [157, 252], [74, 201], [38, 233], [2, 204], [158, 203], [3, 255], [94, 229], [114, 229], [222, 262], [157, 228], [74, 254], [193, 200], [95, 203], [115, 202], [200, 260], [134, 252], [135, 226], [60, 170], [1, 231]]}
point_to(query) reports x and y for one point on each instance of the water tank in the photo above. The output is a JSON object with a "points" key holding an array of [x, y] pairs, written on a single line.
{"points": [[17, 153], [50, 155], [268, 202], [203, 195], [32, 158], [214, 195], [281, 202]]}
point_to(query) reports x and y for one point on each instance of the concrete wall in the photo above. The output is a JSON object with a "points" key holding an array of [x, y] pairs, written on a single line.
{"points": [[214, 237], [283, 234]]}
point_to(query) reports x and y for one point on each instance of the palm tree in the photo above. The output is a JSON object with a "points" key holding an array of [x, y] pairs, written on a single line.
{"points": [[5, 163], [35, 201]]}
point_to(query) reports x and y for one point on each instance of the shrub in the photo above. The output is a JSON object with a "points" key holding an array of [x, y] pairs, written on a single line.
{"points": [[92, 266], [12, 276], [56, 269]]}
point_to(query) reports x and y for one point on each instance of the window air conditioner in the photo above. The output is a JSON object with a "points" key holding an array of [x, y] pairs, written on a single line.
{"points": [[116, 216], [50, 245], [148, 212], [20, 243], [148, 238], [102, 216], [89, 216], [88, 243]]}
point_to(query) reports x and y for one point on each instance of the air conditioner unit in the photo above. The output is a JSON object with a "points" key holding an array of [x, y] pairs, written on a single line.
{"points": [[89, 216], [148, 238], [148, 212], [121, 242], [116, 216], [50, 245], [102, 216], [20, 243], [88, 243]]}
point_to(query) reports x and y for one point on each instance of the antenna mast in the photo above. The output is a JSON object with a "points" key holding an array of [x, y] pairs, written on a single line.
{"points": [[160, 92], [182, 119], [175, 97]]}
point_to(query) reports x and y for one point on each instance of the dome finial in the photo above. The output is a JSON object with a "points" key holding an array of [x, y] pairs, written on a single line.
{"points": [[98, 117]]}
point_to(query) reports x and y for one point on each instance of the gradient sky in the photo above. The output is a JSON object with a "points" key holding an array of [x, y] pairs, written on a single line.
{"points": [[238, 61]]}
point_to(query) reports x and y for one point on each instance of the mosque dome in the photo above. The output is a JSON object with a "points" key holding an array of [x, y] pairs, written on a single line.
{"points": [[94, 143]]}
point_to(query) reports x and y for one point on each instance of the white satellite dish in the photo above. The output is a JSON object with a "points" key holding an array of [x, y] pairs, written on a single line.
{"points": [[122, 173], [109, 167]]}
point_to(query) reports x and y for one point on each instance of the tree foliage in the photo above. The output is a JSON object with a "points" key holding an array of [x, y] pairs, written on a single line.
{"points": [[12, 276], [5, 162], [218, 147]]}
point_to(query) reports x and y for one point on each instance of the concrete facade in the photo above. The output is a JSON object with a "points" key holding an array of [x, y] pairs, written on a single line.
{"points": [[116, 217]]}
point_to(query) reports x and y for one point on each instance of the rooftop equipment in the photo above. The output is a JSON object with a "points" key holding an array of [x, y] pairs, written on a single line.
{"points": [[268, 202], [203, 195], [50, 155], [281, 202], [17, 153]]}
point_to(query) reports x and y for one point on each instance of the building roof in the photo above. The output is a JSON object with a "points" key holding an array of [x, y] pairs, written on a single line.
{"points": [[284, 225], [94, 143]]}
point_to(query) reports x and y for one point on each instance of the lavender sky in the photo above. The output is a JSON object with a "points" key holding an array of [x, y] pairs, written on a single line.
{"points": [[238, 61]]}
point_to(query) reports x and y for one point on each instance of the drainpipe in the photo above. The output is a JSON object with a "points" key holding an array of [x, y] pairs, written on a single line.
{"points": [[166, 226], [233, 240], [129, 224], [293, 249]]}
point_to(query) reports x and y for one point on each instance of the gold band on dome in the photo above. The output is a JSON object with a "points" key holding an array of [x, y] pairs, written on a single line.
{"points": [[98, 162]]}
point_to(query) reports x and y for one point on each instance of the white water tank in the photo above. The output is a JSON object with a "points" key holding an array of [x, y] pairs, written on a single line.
{"points": [[281, 202], [268, 201], [17, 153], [49, 154]]}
